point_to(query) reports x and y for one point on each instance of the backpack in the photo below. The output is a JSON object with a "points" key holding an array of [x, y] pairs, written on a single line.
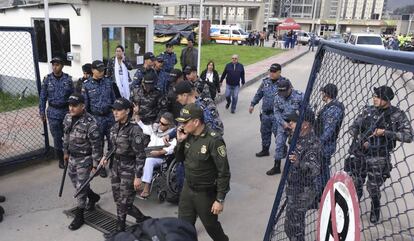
{"points": [[163, 229]]}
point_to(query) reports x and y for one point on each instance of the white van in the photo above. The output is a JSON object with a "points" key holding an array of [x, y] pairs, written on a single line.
{"points": [[368, 40], [228, 34]]}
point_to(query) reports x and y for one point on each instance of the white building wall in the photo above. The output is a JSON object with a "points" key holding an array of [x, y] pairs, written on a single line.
{"points": [[23, 17]]}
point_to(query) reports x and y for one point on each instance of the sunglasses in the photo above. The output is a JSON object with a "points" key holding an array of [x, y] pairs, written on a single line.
{"points": [[164, 124]]}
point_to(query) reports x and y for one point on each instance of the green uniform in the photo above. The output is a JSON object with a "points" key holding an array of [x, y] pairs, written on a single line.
{"points": [[207, 179]]}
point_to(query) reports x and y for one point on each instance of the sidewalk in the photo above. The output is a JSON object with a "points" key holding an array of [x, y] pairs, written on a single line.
{"points": [[257, 71]]}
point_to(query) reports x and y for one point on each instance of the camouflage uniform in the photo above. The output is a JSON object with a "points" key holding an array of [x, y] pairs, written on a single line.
{"points": [[83, 143], [139, 76], [301, 188], [128, 163], [327, 127], [281, 108], [56, 92], [374, 162], [99, 96], [211, 115], [267, 91], [202, 88], [151, 104]]}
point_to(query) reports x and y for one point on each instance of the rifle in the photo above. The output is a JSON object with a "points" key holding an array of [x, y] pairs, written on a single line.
{"points": [[98, 169], [359, 141], [63, 178]]}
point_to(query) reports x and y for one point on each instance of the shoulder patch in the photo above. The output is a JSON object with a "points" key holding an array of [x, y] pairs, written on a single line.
{"points": [[213, 133], [222, 151]]}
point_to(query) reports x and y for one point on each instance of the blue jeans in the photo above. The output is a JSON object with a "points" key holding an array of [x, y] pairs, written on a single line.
{"points": [[232, 94]]}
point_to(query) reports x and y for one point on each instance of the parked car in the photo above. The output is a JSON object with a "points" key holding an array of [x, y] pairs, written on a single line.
{"points": [[337, 38], [367, 40], [228, 34], [303, 38]]}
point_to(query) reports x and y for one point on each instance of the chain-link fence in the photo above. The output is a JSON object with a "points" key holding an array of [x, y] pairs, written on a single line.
{"points": [[21, 131], [386, 183]]}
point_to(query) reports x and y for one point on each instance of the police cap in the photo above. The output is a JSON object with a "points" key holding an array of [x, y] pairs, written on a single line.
{"points": [[283, 85], [294, 116], [149, 55], [275, 67], [159, 58], [76, 99], [175, 74], [57, 60], [183, 87], [121, 104], [98, 65], [149, 78], [190, 112]]}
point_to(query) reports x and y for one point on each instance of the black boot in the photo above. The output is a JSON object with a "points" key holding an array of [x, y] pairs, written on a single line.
{"points": [[1, 213], [78, 221], [137, 214], [263, 152], [275, 169], [93, 198], [375, 211], [59, 155], [120, 225]]}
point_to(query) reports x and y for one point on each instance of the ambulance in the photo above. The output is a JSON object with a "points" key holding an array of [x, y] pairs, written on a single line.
{"points": [[228, 34]]}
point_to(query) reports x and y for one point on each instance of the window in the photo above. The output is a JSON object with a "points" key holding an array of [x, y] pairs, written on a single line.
{"points": [[370, 40], [59, 36], [224, 31], [133, 39], [235, 32]]}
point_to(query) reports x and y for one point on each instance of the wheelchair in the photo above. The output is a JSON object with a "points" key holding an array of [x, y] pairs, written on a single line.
{"points": [[164, 181]]}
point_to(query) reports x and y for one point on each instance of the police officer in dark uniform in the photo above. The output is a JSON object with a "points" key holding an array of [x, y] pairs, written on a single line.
{"points": [[83, 150], [207, 173], [327, 127], [170, 58], [161, 75], [174, 106], [267, 91], [55, 90], [99, 96], [152, 104], [128, 162], [302, 188], [87, 73], [148, 67], [286, 101], [376, 132], [199, 85]]}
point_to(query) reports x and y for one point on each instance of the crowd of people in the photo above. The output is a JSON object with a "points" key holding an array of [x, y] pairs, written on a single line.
{"points": [[404, 42], [374, 132]]}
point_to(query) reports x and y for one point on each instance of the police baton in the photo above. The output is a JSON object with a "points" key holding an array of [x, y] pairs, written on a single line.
{"points": [[100, 166], [62, 183]]}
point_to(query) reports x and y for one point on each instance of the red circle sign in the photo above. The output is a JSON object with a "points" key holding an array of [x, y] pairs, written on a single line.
{"points": [[339, 218]]}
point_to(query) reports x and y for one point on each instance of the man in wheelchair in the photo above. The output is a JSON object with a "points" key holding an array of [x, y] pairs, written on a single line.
{"points": [[156, 150]]}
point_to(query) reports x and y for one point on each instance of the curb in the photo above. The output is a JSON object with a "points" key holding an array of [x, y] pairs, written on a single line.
{"points": [[260, 76]]}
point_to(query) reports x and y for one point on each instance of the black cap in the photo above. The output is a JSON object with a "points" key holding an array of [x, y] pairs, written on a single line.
{"points": [[275, 67], [294, 116], [56, 60], [159, 58], [76, 99], [168, 45], [121, 104], [98, 65], [149, 55], [149, 78], [330, 90], [175, 74], [189, 112], [87, 68], [384, 93], [183, 87], [283, 85], [189, 69]]}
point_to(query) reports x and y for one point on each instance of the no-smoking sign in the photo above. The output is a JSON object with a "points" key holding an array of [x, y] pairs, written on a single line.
{"points": [[338, 218]]}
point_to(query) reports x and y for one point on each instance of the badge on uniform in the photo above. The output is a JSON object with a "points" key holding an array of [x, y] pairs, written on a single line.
{"points": [[203, 149], [222, 150], [187, 145], [138, 140]]}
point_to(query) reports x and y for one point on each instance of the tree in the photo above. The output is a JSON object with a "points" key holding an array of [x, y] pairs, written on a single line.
{"points": [[409, 9]]}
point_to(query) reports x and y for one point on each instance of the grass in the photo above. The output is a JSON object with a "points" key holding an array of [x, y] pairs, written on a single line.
{"points": [[221, 54], [12, 102]]}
